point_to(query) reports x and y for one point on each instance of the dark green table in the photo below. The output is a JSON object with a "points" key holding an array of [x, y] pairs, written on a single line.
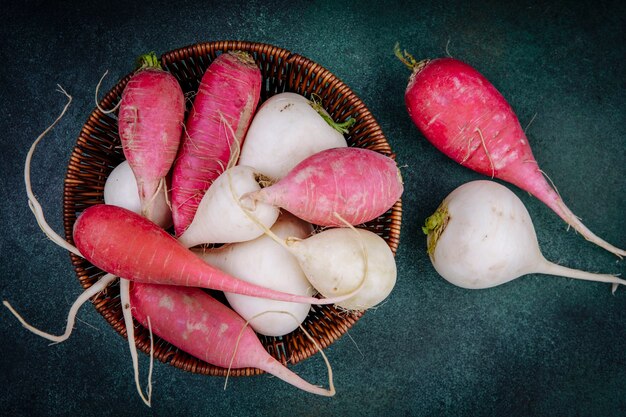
{"points": [[537, 346]]}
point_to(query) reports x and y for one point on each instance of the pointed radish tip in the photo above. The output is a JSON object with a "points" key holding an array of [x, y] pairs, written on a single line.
{"points": [[274, 367], [325, 392], [563, 211]]}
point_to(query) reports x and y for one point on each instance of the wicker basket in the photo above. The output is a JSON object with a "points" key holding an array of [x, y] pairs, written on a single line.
{"points": [[98, 151]]}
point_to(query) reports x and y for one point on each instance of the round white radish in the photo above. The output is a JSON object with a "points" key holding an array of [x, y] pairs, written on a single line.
{"points": [[482, 236], [120, 189], [220, 218], [337, 261], [285, 130], [264, 262]]}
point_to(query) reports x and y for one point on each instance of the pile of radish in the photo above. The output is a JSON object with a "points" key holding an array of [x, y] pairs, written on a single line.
{"points": [[266, 202], [244, 189], [481, 235]]}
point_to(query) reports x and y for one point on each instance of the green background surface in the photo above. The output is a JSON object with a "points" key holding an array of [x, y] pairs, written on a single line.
{"points": [[537, 346]]}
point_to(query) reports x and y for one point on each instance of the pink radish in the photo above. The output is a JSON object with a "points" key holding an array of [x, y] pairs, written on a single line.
{"points": [[217, 123], [463, 115], [198, 324], [129, 246], [151, 116], [357, 184]]}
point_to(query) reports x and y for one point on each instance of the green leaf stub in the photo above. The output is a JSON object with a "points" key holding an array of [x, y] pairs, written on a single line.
{"points": [[149, 60], [434, 227]]}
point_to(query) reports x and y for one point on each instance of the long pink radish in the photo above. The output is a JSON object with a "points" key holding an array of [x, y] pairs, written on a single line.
{"points": [[129, 246], [357, 184], [151, 116], [464, 116], [198, 324], [222, 108]]}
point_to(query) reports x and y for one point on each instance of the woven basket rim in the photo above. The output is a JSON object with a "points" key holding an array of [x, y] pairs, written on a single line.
{"points": [[95, 122]]}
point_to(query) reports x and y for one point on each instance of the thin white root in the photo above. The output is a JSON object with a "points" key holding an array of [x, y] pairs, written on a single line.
{"points": [[151, 368], [572, 220], [482, 141], [188, 137], [167, 191], [147, 210], [130, 333], [96, 96], [33, 203], [331, 385], [356, 345], [235, 145], [232, 358], [100, 285], [448, 49], [469, 151], [532, 119], [552, 184]]}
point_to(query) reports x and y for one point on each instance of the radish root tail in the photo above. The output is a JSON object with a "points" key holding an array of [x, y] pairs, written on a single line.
{"points": [[484, 145], [234, 143], [331, 386], [575, 222], [130, 334], [33, 203], [96, 97], [100, 285]]}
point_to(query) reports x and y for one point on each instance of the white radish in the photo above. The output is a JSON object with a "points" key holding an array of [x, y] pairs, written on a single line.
{"points": [[337, 261], [120, 189], [286, 129], [482, 236], [220, 218], [264, 262]]}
